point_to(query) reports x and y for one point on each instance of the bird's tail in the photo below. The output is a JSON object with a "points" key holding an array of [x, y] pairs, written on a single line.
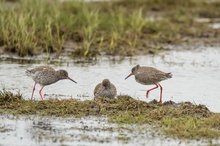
{"points": [[169, 75], [28, 72]]}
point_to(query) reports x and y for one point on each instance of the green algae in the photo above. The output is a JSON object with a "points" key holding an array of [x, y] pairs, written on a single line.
{"points": [[183, 120]]}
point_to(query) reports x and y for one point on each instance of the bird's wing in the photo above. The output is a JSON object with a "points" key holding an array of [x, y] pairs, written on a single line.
{"points": [[161, 76], [43, 76], [150, 77], [114, 88], [97, 88], [41, 68]]}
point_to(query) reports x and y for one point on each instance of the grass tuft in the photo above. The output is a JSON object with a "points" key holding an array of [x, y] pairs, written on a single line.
{"points": [[6, 97], [114, 27]]}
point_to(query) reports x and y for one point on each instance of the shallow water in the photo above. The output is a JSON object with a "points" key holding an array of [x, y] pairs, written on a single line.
{"points": [[195, 79], [88, 131]]}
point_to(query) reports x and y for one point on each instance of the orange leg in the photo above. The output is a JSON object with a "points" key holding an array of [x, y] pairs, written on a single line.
{"points": [[161, 89], [40, 93], [33, 91], [151, 89]]}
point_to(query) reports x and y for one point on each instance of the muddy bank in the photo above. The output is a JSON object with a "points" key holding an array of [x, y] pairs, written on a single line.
{"points": [[195, 120]]}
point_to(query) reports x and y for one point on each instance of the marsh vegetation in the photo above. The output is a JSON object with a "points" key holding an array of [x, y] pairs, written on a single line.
{"points": [[114, 27]]}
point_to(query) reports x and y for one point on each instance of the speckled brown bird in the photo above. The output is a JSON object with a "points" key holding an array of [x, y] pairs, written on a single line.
{"points": [[46, 75], [105, 89], [148, 75]]}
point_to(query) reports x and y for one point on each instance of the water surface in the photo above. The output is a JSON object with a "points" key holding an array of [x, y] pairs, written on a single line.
{"points": [[195, 77], [88, 131]]}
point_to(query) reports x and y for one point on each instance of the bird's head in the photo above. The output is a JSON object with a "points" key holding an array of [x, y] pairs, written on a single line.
{"points": [[133, 71], [64, 75]]}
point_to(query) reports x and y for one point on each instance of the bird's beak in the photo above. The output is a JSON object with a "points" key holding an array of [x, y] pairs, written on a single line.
{"points": [[128, 76], [71, 80]]}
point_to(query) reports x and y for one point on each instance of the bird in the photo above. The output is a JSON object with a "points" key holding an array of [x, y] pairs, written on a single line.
{"points": [[46, 75], [148, 76], [105, 89]]}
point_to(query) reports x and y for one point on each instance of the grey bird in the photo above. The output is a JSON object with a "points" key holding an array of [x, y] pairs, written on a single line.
{"points": [[46, 75], [105, 89], [148, 76]]}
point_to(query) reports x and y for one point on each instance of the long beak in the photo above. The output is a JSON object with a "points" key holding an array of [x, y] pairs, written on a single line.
{"points": [[128, 76], [71, 80]]}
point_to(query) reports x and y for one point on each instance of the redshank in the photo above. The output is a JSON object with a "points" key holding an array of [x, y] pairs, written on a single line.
{"points": [[148, 76], [46, 75], [105, 89]]}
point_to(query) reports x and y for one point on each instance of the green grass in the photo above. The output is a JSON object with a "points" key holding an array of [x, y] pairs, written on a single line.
{"points": [[191, 128], [30, 27], [183, 120]]}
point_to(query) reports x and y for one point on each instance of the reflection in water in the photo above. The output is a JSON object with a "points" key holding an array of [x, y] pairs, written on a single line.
{"points": [[40, 130]]}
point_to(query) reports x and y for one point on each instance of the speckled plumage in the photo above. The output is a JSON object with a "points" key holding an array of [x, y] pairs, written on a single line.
{"points": [[105, 89], [148, 75], [46, 75]]}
